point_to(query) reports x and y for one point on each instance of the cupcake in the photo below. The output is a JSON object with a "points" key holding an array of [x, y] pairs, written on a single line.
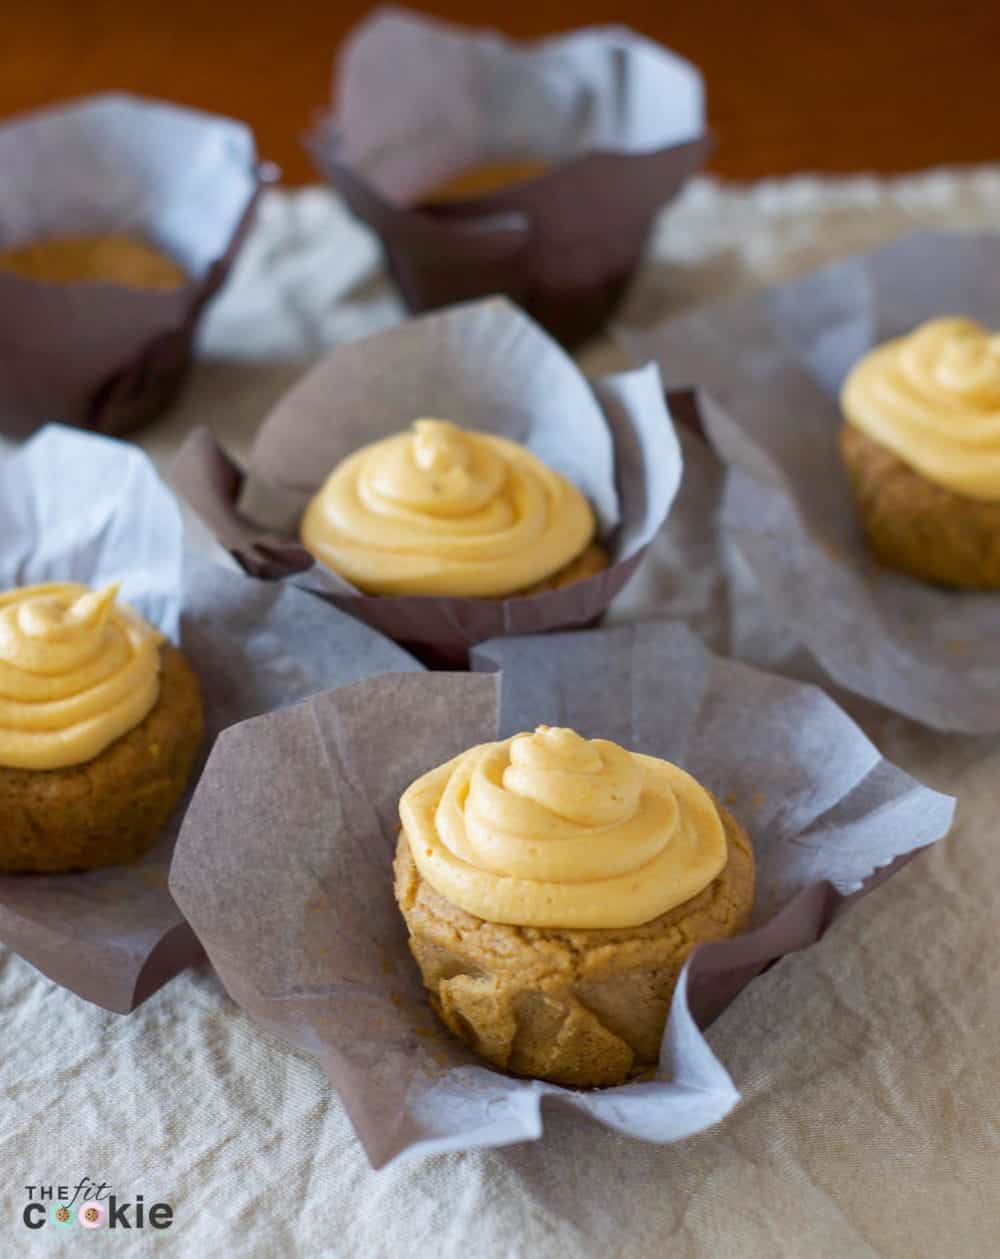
{"points": [[442, 510], [553, 887], [530, 517], [120, 219], [114, 258], [488, 165], [100, 722], [921, 445]]}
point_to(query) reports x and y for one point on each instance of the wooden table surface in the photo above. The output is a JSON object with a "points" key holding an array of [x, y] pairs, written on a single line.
{"points": [[809, 86]]}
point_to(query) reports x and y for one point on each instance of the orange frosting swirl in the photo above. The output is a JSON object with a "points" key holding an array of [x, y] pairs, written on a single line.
{"points": [[77, 671], [553, 830], [440, 510], [933, 399]]}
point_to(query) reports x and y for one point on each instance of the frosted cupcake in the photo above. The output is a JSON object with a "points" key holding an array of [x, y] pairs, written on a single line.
{"points": [[921, 445], [442, 510], [553, 887], [100, 722]]}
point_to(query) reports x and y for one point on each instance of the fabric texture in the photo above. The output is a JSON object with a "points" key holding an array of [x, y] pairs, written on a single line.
{"points": [[869, 1064]]}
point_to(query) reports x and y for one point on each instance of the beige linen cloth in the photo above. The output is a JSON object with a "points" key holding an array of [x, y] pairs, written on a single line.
{"points": [[870, 1065]]}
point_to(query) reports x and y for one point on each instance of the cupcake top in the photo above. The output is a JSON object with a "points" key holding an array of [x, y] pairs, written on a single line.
{"points": [[114, 259], [442, 510], [485, 178], [77, 671], [933, 398], [553, 830]]}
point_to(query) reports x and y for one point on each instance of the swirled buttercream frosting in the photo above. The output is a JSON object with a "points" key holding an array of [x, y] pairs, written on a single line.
{"points": [[933, 398], [442, 510], [77, 671], [553, 830]]}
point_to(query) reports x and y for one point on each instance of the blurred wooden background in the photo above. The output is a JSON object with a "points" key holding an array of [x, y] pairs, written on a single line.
{"points": [[821, 85]]}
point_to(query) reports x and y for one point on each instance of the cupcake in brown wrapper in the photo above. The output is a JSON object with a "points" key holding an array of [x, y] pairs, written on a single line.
{"points": [[336, 459], [119, 220], [288, 880], [584, 1008], [553, 887], [530, 169]]}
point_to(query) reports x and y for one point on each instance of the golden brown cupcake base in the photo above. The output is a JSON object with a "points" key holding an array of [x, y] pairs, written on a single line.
{"points": [[578, 1007], [917, 527], [593, 560], [114, 807]]}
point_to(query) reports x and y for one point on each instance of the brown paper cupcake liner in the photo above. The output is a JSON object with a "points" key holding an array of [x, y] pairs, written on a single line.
{"points": [[806, 595], [106, 356], [488, 366], [619, 119], [306, 935], [77, 507]]}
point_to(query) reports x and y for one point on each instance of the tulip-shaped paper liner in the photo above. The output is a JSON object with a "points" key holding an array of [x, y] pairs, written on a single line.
{"points": [[620, 120], [486, 366], [287, 878], [768, 367], [108, 356], [76, 507]]}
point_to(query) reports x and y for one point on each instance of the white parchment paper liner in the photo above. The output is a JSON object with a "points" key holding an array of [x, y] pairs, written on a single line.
{"points": [[485, 365], [417, 99], [804, 588], [287, 878], [77, 507], [108, 356]]}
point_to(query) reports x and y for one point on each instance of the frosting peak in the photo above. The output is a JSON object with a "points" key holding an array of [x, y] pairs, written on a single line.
{"points": [[58, 632], [553, 830], [439, 470], [933, 398], [77, 671], [444, 510], [589, 783]]}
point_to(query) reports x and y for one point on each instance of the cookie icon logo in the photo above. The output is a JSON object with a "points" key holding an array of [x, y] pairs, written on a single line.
{"points": [[61, 1215], [91, 1215]]}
